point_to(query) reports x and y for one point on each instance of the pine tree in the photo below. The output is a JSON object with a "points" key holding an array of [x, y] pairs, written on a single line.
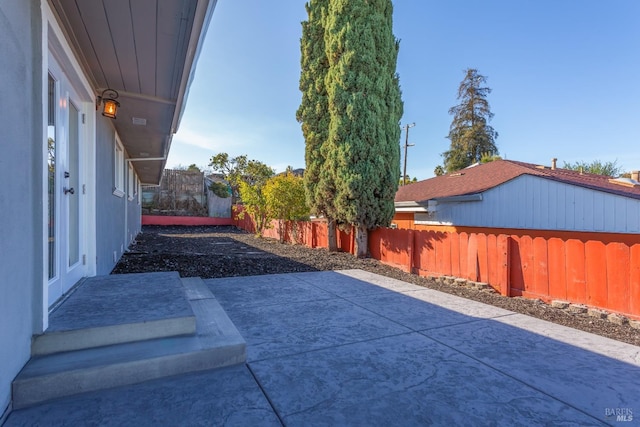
{"points": [[365, 106], [313, 114], [470, 133]]}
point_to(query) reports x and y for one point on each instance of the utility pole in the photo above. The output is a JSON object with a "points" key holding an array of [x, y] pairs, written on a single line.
{"points": [[406, 146]]}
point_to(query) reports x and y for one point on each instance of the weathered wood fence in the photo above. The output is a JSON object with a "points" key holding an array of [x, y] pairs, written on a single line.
{"points": [[181, 192]]}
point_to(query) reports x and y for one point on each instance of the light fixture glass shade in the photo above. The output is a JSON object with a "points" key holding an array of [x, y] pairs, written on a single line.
{"points": [[110, 108]]}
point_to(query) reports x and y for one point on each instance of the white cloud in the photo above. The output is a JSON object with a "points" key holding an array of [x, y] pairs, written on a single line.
{"points": [[275, 142], [214, 141]]}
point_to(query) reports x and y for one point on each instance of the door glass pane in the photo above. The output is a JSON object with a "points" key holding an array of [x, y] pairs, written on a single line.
{"points": [[73, 182], [51, 163]]}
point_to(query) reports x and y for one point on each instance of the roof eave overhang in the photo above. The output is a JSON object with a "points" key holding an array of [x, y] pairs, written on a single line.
{"points": [[429, 205], [202, 17], [475, 197], [204, 11], [411, 206]]}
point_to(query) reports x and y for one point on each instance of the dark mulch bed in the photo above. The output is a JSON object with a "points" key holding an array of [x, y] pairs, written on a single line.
{"points": [[210, 252]]}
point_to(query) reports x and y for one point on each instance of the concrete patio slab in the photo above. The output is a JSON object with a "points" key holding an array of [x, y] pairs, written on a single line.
{"points": [[427, 309], [277, 330], [344, 285], [404, 380], [244, 292], [578, 375], [330, 348], [227, 396]]}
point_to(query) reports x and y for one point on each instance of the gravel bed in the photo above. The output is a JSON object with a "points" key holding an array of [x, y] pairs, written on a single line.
{"points": [[211, 252]]}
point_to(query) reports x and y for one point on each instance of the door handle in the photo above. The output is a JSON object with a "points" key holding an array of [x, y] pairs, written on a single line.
{"points": [[68, 190]]}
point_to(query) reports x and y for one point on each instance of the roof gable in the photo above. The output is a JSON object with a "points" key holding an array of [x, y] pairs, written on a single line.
{"points": [[477, 179]]}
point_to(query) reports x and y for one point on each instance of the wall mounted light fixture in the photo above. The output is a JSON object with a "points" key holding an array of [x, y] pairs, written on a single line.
{"points": [[109, 103]]}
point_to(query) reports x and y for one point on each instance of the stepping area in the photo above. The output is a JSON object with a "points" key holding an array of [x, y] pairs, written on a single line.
{"points": [[120, 308], [143, 327], [354, 348]]}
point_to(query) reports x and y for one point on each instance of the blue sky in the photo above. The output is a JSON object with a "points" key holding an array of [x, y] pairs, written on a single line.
{"points": [[565, 76]]}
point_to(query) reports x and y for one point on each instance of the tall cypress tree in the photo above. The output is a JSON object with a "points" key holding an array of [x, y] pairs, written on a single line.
{"points": [[470, 133], [313, 114], [365, 106]]}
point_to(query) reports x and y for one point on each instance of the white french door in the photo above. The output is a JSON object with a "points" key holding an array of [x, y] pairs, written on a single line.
{"points": [[65, 136]]}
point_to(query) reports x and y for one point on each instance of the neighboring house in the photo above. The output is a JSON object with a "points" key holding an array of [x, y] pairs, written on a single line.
{"points": [[72, 177], [516, 195]]}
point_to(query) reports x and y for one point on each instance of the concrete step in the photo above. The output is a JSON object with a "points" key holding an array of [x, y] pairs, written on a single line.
{"points": [[116, 309], [216, 343]]}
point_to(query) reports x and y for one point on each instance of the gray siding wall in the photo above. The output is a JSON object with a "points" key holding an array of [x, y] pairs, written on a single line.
{"points": [[535, 203], [21, 168], [110, 209]]}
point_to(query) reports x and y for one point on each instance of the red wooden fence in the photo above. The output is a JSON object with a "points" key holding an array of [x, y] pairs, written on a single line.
{"points": [[184, 220], [596, 269]]}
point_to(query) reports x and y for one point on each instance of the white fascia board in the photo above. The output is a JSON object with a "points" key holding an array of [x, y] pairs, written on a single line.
{"points": [[477, 197], [416, 209], [201, 20], [418, 222], [410, 206]]}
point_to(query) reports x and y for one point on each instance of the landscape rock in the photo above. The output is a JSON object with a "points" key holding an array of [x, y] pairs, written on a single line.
{"points": [[577, 308], [556, 303], [461, 282], [599, 314], [617, 319]]}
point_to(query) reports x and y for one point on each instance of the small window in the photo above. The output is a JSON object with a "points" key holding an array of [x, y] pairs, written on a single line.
{"points": [[131, 183], [118, 168]]}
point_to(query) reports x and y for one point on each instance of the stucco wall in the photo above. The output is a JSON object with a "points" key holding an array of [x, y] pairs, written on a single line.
{"points": [[21, 147], [110, 209]]}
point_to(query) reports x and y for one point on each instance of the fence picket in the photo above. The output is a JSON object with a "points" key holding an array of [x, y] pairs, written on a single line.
{"points": [[617, 261]]}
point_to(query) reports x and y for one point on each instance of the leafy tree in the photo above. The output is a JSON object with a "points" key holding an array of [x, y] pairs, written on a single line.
{"points": [[362, 152], [285, 199], [220, 189], [439, 171], [231, 169], [409, 180], [257, 173], [255, 205], [314, 116], [251, 189], [470, 133], [488, 157], [240, 169], [598, 167], [193, 168]]}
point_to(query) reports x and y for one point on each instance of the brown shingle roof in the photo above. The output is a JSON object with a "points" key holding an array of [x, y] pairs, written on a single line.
{"points": [[485, 176]]}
